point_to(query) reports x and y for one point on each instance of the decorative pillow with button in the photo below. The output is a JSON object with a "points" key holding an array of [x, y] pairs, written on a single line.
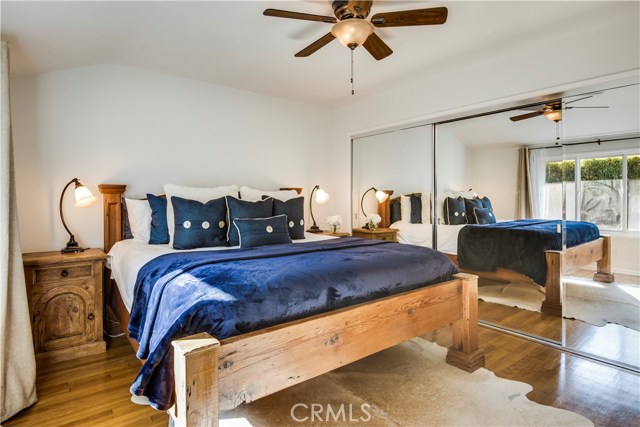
{"points": [[254, 232], [470, 204], [484, 216], [243, 209], [455, 211], [486, 203], [294, 210], [199, 225]]}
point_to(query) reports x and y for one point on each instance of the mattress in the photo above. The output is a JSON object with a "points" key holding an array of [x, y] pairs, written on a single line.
{"points": [[127, 257], [422, 235]]}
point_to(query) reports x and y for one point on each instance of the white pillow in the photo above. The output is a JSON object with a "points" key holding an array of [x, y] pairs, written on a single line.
{"points": [[139, 213], [253, 195], [199, 194], [405, 208], [426, 208]]}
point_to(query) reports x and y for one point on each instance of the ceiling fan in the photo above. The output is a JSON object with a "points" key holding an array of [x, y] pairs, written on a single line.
{"points": [[352, 29], [552, 110]]}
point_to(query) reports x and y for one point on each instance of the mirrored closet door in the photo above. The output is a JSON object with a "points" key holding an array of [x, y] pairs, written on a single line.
{"points": [[482, 171], [398, 163], [601, 162]]}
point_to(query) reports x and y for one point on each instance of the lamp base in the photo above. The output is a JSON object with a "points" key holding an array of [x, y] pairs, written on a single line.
{"points": [[72, 246], [314, 229]]}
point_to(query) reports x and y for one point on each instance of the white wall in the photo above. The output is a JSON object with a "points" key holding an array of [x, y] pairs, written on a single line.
{"points": [[493, 173], [399, 161], [113, 124]]}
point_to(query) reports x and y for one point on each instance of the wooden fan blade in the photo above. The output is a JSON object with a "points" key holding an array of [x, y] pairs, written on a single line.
{"points": [[322, 41], [406, 18], [526, 116], [297, 15], [569, 108], [376, 47]]}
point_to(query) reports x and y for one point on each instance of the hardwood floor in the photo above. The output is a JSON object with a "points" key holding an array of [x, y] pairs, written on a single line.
{"points": [[94, 390]]}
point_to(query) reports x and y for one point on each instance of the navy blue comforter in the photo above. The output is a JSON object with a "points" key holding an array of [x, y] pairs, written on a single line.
{"points": [[226, 293], [518, 245]]}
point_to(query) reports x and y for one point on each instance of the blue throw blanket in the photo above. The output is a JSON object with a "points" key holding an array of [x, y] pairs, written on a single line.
{"points": [[518, 245], [227, 293]]}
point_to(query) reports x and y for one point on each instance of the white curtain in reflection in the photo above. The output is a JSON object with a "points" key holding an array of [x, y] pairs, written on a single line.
{"points": [[524, 208], [537, 160]]}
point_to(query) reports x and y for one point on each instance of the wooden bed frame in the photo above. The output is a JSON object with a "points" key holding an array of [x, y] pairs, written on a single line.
{"points": [[212, 375], [558, 263]]}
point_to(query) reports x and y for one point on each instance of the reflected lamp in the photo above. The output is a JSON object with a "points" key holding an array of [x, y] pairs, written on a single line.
{"points": [[321, 198], [84, 198], [380, 195]]}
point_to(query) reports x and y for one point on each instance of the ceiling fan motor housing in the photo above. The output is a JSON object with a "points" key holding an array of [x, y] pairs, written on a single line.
{"points": [[351, 9]]}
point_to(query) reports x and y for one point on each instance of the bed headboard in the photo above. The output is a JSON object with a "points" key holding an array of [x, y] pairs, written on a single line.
{"points": [[113, 213]]}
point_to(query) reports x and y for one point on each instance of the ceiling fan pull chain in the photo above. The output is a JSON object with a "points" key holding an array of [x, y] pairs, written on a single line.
{"points": [[352, 91]]}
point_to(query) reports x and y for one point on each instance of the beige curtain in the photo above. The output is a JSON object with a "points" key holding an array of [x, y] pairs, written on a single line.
{"points": [[17, 360], [524, 204]]}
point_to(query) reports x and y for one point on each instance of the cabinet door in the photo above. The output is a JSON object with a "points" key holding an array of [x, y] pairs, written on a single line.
{"points": [[62, 317]]}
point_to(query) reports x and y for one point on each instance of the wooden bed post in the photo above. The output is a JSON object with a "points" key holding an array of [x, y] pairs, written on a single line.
{"points": [[604, 264], [113, 221], [195, 365], [552, 303], [384, 210], [464, 352]]}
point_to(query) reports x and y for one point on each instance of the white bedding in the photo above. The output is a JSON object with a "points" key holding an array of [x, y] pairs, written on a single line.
{"points": [[421, 235], [127, 257]]}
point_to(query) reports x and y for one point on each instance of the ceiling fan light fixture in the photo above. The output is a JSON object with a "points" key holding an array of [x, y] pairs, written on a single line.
{"points": [[553, 115], [352, 31]]}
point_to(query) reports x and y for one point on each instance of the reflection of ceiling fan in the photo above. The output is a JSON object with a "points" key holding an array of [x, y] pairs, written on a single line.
{"points": [[352, 29], [552, 110]]}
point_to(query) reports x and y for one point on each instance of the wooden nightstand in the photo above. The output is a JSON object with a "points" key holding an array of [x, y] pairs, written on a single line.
{"points": [[337, 233], [65, 303], [377, 234]]}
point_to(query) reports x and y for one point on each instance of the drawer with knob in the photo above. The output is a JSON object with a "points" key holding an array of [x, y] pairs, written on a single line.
{"points": [[65, 303]]}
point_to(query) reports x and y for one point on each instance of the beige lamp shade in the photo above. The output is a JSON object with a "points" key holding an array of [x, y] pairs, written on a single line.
{"points": [[381, 196], [352, 31], [84, 197], [554, 115], [321, 196]]}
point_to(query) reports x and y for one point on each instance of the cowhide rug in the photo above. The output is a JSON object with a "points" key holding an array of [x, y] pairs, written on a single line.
{"points": [[407, 385]]}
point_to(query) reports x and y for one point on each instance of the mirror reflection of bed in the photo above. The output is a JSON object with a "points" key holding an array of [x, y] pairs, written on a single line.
{"points": [[480, 158]]}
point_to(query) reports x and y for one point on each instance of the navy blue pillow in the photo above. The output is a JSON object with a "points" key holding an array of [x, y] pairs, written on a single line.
{"points": [[486, 203], [484, 216], [199, 225], [470, 204], [455, 211], [416, 209], [294, 210], [254, 232], [126, 229], [244, 209], [395, 210], [159, 229]]}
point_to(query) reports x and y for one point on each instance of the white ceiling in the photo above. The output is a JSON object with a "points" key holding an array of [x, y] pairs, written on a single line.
{"points": [[233, 44], [622, 117]]}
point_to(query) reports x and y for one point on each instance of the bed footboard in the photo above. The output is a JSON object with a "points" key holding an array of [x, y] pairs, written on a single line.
{"points": [[212, 375]]}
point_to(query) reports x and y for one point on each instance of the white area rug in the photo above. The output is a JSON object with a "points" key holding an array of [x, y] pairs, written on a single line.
{"points": [[601, 303], [584, 299], [516, 294], [407, 385]]}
